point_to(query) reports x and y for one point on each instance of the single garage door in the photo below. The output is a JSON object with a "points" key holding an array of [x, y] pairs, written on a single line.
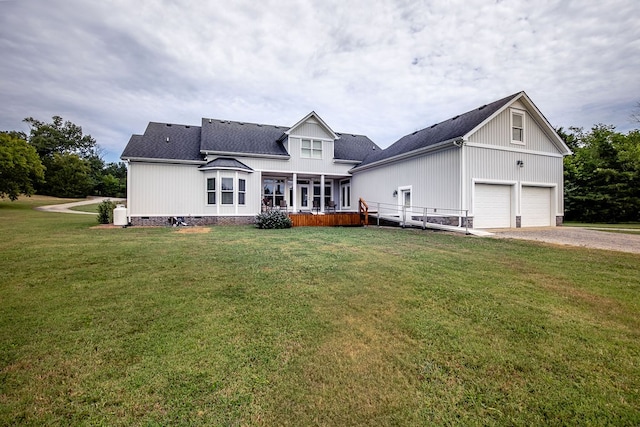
{"points": [[536, 207], [492, 206]]}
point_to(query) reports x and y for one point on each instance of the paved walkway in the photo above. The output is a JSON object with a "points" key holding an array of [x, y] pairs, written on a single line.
{"points": [[575, 236], [64, 208]]}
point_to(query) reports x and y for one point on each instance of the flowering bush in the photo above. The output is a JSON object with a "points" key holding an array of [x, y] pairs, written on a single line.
{"points": [[273, 219]]}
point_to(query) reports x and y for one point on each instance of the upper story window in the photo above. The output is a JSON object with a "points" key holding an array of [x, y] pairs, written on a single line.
{"points": [[311, 149], [517, 127]]}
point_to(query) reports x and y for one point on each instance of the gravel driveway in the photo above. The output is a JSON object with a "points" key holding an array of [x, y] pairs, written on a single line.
{"points": [[575, 236]]}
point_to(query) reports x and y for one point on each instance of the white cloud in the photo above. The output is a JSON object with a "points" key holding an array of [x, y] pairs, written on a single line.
{"points": [[383, 68]]}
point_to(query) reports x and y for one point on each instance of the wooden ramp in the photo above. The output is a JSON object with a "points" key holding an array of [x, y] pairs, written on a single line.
{"points": [[424, 225]]}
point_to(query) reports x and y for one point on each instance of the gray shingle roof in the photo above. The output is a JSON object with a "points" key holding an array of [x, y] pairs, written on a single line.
{"points": [[453, 128], [165, 141], [222, 136], [353, 147], [226, 162], [239, 137]]}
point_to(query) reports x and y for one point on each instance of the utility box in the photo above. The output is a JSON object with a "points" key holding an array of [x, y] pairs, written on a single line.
{"points": [[120, 215]]}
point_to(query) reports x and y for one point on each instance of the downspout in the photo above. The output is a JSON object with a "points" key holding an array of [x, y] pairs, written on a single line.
{"points": [[463, 173], [128, 164]]}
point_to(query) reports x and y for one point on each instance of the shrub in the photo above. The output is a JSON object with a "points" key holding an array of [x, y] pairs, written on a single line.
{"points": [[105, 212], [273, 219]]}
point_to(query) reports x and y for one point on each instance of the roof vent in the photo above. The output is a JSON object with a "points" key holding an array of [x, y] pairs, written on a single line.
{"points": [[259, 125], [240, 123], [432, 126], [209, 120], [414, 132], [187, 126], [167, 139], [455, 117], [169, 124], [482, 107]]}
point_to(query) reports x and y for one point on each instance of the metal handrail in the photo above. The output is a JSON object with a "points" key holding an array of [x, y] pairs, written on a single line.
{"points": [[401, 212]]}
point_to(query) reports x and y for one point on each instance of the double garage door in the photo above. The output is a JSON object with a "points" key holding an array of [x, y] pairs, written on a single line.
{"points": [[493, 206]]}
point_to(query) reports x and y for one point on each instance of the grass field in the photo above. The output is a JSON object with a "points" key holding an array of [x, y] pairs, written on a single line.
{"points": [[309, 326]]}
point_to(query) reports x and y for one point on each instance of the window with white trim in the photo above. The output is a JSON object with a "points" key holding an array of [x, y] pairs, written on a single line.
{"points": [[242, 188], [311, 149], [517, 127], [226, 192], [211, 191]]}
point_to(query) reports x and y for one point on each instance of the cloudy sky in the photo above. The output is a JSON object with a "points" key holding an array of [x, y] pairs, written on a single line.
{"points": [[382, 68]]}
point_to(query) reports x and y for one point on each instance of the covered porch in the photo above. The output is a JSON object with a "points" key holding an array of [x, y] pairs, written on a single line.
{"points": [[306, 193]]}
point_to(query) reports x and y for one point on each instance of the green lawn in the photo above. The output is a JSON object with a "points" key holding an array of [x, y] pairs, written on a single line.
{"points": [[93, 208], [309, 326]]}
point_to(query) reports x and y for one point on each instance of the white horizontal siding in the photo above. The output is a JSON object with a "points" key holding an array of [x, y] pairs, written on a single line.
{"points": [[434, 178]]}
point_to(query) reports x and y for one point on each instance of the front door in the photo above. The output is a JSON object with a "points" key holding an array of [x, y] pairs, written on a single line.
{"points": [[303, 197]]}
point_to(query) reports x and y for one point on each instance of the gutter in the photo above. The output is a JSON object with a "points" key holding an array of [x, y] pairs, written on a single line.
{"points": [[457, 142], [174, 161], [237, 154]]}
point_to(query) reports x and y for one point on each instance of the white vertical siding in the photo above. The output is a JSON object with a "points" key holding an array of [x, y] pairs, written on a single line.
{"points": [[435, 180], [311, 130], [158, 189], [489, 165], [295, 163], [498, 132]]}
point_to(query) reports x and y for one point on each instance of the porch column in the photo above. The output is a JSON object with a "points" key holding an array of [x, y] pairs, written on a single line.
{"points": [[294, 202], [321, 193]]}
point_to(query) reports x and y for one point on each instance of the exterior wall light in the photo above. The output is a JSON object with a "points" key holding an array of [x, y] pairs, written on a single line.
{"points": [[520, 163], [395, 193]]}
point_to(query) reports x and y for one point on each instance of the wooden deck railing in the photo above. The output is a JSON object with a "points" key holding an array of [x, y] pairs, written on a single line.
{"points": [[325, 220], [363, 209]]}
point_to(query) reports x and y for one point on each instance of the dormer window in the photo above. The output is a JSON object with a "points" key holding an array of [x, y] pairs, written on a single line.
{"points": [[311, 149], [517, 127]]}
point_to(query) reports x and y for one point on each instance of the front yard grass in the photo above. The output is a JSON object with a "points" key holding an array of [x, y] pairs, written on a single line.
{"points": [[309, 326]]}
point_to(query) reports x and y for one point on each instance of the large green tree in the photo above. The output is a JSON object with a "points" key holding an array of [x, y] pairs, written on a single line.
{"points": [[61, 146], [20, 166], [602, 178]]}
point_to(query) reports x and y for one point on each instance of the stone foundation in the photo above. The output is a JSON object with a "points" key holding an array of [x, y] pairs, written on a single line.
{"points": [[559, 220], [165, 221], [445, 220], [518, 221]]}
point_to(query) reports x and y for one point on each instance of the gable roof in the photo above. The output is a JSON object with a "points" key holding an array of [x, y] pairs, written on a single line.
{"points": [[460, 127], [229, 138], [165, 141], [320, 122], [448, 130], [222, 136]]}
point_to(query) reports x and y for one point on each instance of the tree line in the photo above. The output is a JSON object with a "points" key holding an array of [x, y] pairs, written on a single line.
{"points": [[602, 177], [56, 159]]}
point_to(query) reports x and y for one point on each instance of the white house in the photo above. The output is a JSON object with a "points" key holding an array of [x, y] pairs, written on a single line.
{"points": [[499, 165], [227, 172]]}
